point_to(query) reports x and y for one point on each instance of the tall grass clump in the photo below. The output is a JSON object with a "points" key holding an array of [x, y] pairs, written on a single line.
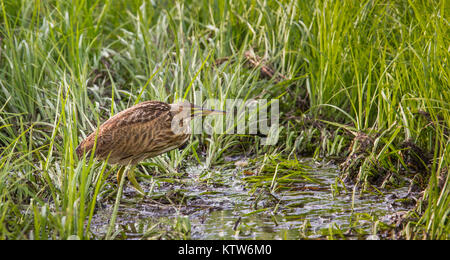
{"points": [[380, 67], [365, 81]]}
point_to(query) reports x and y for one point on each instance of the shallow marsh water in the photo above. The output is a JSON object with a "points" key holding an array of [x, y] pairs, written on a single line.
{"points": [[222, 204]]}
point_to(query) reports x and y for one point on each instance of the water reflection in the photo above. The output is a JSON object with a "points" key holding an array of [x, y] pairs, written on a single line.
{"points": [[224, 208]]}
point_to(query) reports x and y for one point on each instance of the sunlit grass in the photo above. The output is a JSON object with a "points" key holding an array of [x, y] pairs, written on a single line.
{"points": [[369, 67]]}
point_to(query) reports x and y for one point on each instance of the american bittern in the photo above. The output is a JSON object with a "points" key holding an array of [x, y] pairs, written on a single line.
{"points": [[142, 131]]}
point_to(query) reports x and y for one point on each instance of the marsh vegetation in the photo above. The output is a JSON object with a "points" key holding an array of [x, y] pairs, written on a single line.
{"points": [[363, 90]]}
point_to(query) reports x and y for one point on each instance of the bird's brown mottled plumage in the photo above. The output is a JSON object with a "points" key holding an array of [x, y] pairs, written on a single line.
{"points": [[137, 133]]}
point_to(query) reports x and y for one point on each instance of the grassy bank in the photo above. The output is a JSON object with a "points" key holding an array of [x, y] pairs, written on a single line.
{"points": [[362, 82]]}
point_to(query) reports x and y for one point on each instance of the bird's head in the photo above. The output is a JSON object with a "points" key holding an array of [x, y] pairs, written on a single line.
{"points": [[190, 111], [183, 112]]}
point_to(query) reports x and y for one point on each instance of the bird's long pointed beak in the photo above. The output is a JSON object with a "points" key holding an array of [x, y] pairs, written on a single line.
{"points": [[200, 111]]}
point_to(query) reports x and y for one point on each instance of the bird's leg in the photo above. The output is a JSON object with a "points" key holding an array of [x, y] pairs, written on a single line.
{"points": [[120, 173], [132, 178]]}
